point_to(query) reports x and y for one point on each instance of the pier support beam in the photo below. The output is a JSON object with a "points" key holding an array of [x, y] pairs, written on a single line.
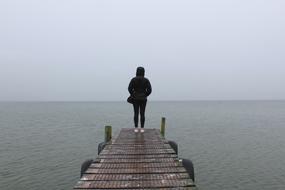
{"points": [[162, 127], [108, 133]]}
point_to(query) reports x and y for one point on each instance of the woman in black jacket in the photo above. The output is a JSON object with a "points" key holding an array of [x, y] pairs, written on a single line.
{"points": [[139, 89]]}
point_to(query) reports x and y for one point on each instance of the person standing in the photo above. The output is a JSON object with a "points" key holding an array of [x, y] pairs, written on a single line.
{"points": [[139, 89]]}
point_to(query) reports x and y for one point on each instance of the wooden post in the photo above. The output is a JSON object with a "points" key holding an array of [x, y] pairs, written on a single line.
{"points": [[162, 126], [108, 133]]}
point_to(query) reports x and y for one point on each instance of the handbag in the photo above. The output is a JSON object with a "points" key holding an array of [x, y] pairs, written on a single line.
{"points": [[130, 99]]}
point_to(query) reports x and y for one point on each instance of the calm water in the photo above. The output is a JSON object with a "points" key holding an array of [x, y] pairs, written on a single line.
{"points": [[233, 144]]}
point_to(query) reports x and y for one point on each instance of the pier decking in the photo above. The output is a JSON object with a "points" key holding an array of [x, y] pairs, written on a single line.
{"points": [[136, 161]]}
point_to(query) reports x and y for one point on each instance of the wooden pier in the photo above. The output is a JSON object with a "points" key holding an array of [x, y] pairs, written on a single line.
{"points": [[136, 161]]}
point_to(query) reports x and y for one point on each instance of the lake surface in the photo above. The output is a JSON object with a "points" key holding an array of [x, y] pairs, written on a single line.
{"points": [[233, 144]]}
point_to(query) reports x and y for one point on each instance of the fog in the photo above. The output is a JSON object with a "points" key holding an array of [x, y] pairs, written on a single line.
{"points": [[71, 50]]}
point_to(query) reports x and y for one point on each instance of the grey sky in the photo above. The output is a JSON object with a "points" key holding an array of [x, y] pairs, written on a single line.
{"points": [[191, 50]]}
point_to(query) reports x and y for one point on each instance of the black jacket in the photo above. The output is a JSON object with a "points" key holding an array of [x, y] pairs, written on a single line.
{"points": [[140, 87]]}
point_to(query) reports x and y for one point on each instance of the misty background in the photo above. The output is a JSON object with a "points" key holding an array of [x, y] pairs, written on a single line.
{"points": [[72, 50]]}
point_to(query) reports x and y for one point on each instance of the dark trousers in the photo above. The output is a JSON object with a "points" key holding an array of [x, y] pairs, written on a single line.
{"points": [[139, 107]]}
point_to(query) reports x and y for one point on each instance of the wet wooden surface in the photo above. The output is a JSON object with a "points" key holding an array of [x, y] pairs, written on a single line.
{"points": [[136, 161]]}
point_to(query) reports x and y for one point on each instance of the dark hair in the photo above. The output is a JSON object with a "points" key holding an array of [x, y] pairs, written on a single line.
{"points": [[140, 71]]}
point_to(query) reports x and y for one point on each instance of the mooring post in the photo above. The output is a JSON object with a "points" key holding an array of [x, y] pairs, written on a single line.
{"points": [[108, 133], [162, 126]]}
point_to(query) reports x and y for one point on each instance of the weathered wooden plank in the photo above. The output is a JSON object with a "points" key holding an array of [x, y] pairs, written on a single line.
{"points": [[136, 160], [135, 170], [129, 177], [132, 142], [165, 188], [138, 151], [138, 146], [134, 156], [134, 165], [135, 184]]}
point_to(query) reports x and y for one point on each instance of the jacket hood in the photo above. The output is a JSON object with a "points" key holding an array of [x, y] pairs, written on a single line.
{"points": [[140, 71]]}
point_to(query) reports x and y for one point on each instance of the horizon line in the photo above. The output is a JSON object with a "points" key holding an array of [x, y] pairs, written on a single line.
{"points": [[197, 100]]}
